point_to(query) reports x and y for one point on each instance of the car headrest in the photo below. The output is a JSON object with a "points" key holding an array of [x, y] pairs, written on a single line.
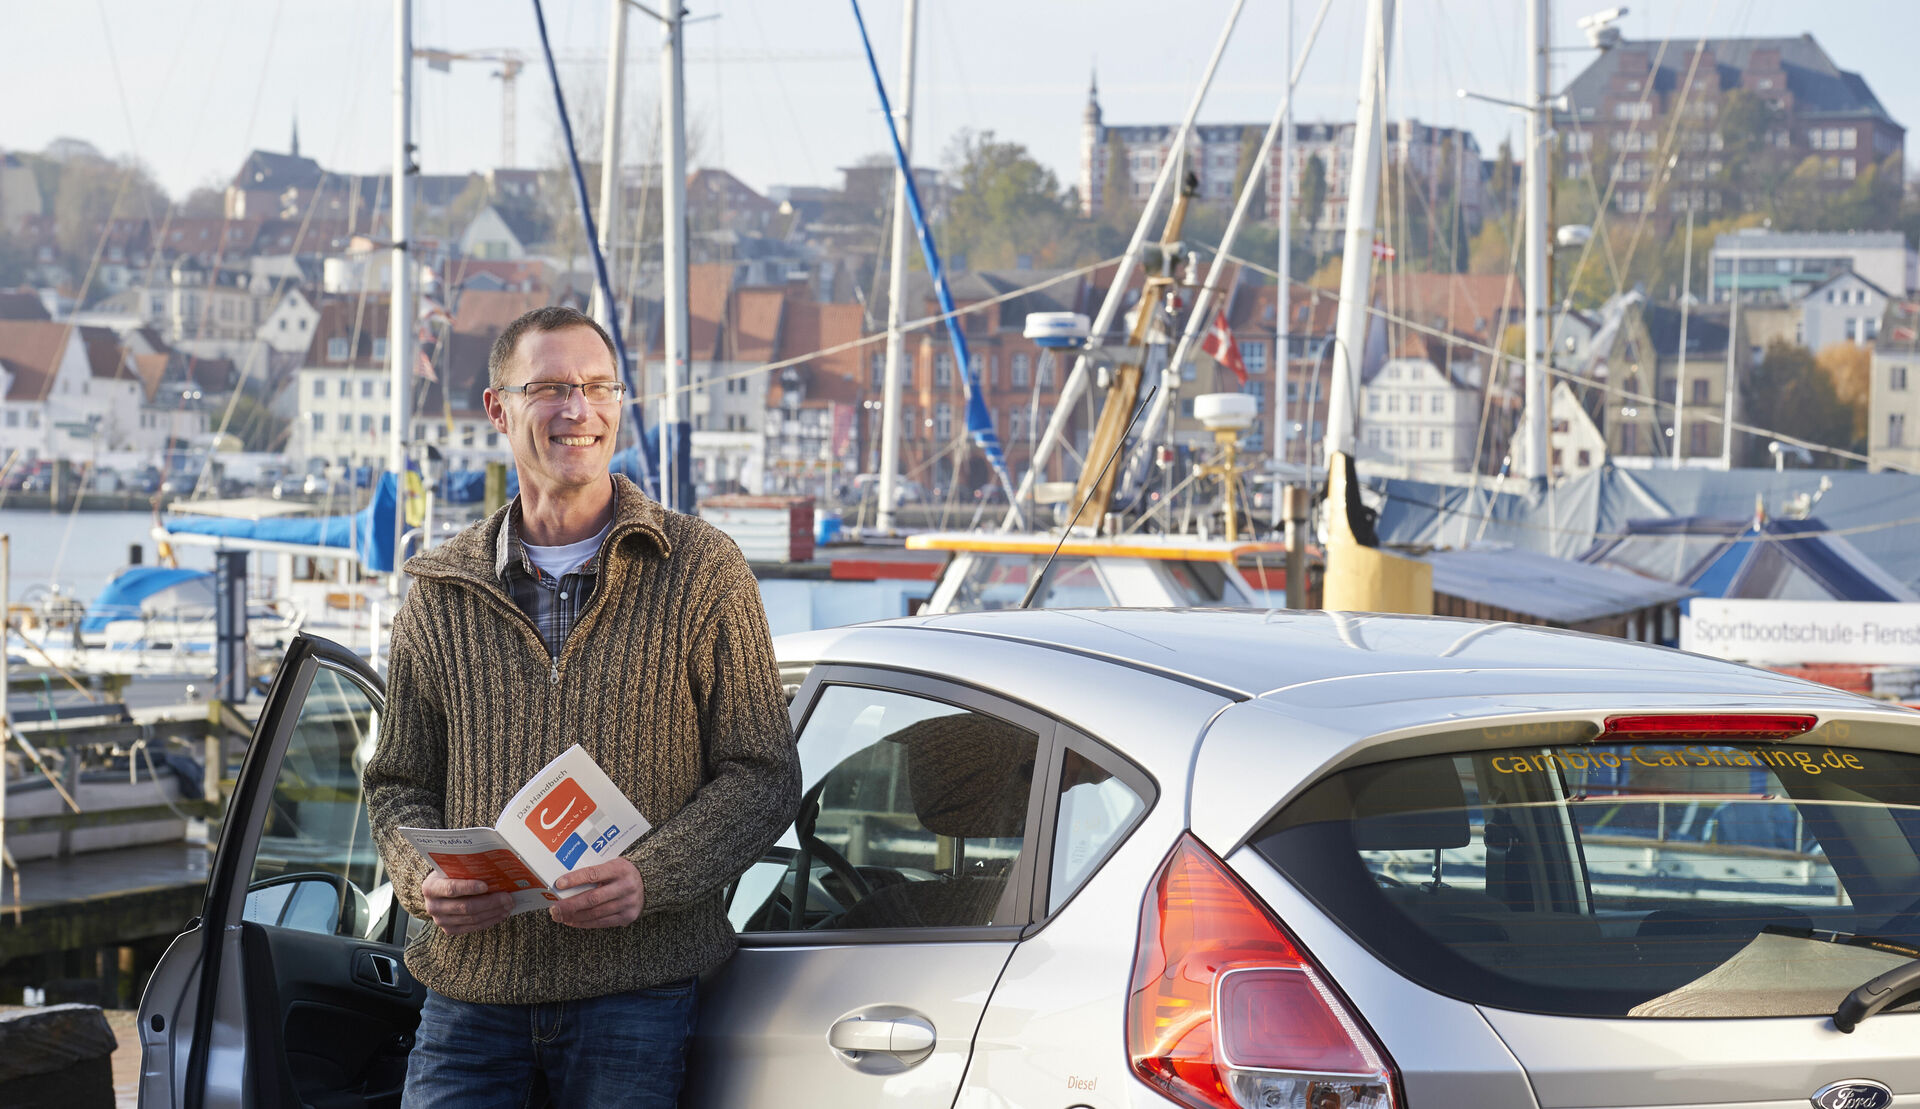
{"points": [[968, 775], [1416, 805]]}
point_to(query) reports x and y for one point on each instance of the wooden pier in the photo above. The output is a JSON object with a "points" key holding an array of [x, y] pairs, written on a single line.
{"points": [[89, 926]]}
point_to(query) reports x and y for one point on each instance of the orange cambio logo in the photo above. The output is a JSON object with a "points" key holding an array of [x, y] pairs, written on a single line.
{"points": [[559, 813]]}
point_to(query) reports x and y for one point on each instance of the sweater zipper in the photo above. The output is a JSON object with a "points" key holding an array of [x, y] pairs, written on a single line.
{"points": [[553, 675]]}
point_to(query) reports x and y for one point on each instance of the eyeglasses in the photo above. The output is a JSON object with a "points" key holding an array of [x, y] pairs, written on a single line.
{"points": [[554, 393]]}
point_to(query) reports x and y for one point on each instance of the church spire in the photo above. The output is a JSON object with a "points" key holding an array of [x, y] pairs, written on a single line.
{"points": [[294, 147]]}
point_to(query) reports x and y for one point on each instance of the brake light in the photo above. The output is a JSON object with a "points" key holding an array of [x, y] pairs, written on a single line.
{"points": [[1703, 725], [1226, 1012]]}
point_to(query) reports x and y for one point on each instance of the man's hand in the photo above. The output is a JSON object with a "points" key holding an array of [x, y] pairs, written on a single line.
{"points": [[461, 905], [617, 901]]}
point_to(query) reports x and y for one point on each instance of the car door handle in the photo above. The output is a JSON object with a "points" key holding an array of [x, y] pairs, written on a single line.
{"points": [[382, 972], [904, 1036]]}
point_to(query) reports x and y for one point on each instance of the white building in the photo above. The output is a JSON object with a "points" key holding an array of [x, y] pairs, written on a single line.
{"points": [[497, 233], [288, 326], [1575, 444], [1893, 395], [1778, 266], [76, 392], [1845, 308], [343, 387], [1420, 416]]}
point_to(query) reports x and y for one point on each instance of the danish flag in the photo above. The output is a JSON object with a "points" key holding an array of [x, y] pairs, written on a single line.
{"points": [[1219, 343], [1384, 252]]}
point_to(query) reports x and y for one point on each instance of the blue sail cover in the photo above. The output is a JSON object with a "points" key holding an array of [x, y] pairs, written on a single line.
{"points": [[121, 599], [979, 420], [367, 533]]}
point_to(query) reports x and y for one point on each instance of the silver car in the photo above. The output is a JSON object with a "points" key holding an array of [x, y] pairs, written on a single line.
{"points": [[1224, 860]]}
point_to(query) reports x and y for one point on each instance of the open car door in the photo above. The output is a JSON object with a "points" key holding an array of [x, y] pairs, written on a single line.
{"points": [[289, 989]]}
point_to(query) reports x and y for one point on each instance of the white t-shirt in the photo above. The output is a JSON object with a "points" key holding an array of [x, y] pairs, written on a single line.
{"points": [[558, 562]]}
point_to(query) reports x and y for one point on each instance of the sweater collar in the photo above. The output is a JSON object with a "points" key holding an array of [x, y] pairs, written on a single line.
{"points": [[473, 554]]}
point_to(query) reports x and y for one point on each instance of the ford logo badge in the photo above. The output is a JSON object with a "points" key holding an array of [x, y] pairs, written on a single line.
{"points": [[1853, 1093]]}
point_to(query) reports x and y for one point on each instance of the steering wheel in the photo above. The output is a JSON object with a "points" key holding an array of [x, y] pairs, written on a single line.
{"points": [[840, 867]]}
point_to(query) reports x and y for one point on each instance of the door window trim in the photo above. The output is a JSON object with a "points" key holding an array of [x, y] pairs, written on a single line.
{"points": [[971, 699], [242, 825], [1067, 738]]}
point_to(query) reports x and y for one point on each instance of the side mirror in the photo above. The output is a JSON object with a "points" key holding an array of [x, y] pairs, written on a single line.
{"points": [[310, 901]]}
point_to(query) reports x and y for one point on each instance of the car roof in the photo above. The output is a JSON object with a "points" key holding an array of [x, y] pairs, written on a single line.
{"points": [[1330, 658]]}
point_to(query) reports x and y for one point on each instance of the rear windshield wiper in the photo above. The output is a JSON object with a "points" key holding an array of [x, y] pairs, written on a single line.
{"points": [[1872, 996]]}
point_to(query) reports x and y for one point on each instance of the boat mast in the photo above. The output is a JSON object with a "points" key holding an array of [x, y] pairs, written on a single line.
{"points": [[1356, 264], [1534, 171], [1283, 303], [673, 240], [1360, 577], [897, 280], [1729, 395], [1076, 382], [1680, 375], [1201, 318], [602, 307], [400, 335]]}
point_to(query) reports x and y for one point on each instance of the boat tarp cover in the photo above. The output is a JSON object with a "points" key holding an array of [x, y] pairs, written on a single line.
{"points": [[121, 599], [368, 532], [1875, 516]]}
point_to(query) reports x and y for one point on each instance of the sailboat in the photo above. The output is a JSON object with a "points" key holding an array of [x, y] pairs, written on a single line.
{"points": [[1089, 559]]}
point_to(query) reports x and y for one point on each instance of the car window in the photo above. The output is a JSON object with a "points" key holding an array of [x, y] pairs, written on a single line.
{"points": [[1096, 811], [1681, 879], [913, 815], [316, 859]]}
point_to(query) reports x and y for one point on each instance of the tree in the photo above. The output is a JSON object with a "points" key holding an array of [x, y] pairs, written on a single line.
{"points": [[16, 261], [1849, 366], [1249, 147], [1753, 168], [1313, 194], [1500, 190], [1790, 394], [1007, 205], [255, 425], [204, 202], [1492, 249], [1328, 275], [91, 191]]}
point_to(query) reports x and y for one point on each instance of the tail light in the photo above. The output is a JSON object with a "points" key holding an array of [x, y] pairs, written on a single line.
{"points": [[1708, 725], [1225, 1010]]}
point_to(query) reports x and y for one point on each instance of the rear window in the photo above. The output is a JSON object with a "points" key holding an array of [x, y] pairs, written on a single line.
{"points": [[1685, 879]]}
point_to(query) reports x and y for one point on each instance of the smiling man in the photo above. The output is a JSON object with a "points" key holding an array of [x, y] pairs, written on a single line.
{"points": [[583, 613]]}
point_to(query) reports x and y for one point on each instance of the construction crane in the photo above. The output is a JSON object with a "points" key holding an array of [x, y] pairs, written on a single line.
{"points": [[511, 62]]}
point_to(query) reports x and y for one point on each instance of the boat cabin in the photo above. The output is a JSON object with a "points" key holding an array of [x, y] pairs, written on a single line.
{"points": [[988, 571]]}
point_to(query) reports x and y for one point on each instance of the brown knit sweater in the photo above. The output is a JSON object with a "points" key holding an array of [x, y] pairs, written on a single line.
{"points": [[668, 681]]}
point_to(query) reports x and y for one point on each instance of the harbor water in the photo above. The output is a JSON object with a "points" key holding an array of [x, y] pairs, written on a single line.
{"points": [[79, 552]]}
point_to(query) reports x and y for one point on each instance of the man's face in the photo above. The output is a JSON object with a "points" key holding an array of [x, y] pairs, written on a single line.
{"points": [[565, 445]]}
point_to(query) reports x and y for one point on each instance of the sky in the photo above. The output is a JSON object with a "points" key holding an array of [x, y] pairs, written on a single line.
{"points": [[778, 90]]}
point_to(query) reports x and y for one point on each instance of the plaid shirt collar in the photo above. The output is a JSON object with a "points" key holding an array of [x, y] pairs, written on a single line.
{"points": [[510, 553], [554, 605]]}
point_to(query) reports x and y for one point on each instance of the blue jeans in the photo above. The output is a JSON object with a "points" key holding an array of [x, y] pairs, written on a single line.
{"points": [[623, 1049]]}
